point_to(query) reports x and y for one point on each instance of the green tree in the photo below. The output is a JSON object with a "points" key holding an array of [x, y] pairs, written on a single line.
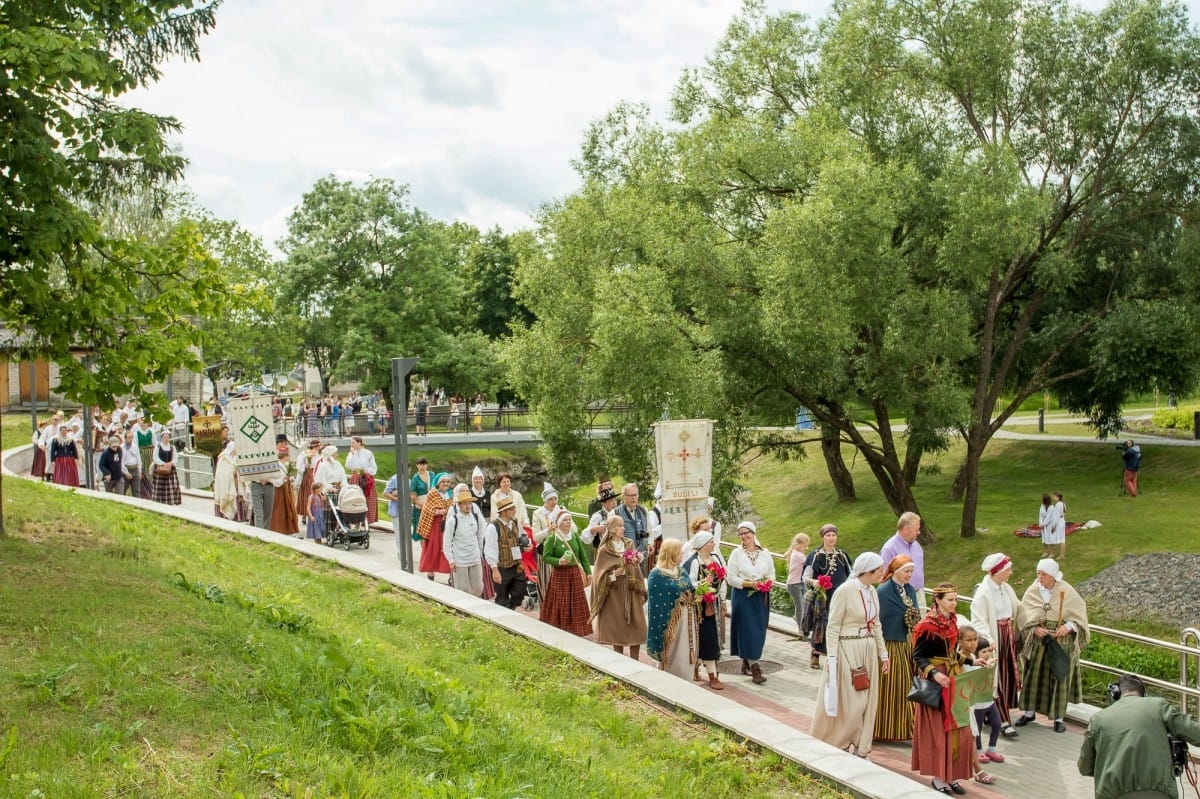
{"points": [[913, 210], [371, 278], [66, 282]]}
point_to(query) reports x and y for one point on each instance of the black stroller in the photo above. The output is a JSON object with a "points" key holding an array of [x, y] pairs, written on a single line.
{"points": [[348, 518]]}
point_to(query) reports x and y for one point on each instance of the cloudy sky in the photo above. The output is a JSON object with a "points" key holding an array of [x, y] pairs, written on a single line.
{"points": [[478, 105]]}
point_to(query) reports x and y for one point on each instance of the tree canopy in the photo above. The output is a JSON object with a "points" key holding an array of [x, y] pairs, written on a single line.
{"points": [[913, 211]]}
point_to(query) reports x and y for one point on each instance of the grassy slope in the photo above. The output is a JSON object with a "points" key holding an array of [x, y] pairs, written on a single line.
{"points": [[171, 660]]}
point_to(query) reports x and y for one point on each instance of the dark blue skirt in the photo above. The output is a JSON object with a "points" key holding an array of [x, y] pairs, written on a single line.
{"points": [[748, 623]]}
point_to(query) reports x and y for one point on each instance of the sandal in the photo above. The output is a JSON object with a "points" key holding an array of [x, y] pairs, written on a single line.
{"points": [[984, 777]]}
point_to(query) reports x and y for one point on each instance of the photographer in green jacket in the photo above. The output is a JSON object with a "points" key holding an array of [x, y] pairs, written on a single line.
{"points": [[1126, 747]]}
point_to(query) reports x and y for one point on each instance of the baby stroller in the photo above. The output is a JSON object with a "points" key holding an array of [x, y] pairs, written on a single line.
{"points": [[529, 566], [348, 509]]}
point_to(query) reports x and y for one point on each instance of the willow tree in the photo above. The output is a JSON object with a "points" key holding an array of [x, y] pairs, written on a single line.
{"points": [[922, 210]]}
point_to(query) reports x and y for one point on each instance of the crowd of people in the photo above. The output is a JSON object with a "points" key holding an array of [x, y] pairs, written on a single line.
{"points": [[891, 664]]}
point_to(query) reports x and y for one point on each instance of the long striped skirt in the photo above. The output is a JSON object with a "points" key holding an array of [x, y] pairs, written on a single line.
{"points": [[367, 483], [564, 604], [1008, 679], [1040, 691], [166, 488], [66, 472], [894, 721]]}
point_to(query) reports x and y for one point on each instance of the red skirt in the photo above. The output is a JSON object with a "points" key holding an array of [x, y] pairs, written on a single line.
{"points": [[367, 483], [304, 493], [433, 559], [66, 472], [283, 513], [38, 469], [564, 604], [949, 756]]}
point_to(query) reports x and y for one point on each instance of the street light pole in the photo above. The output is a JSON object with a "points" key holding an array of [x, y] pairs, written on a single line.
{"points": [[402, 524]]}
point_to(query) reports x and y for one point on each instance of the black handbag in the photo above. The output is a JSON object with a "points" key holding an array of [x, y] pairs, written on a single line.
{"points": [[927, 692]]}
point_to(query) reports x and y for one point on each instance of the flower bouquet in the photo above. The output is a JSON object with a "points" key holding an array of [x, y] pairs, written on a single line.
{"points": [[631, 557], [823, 586], [764, 586], [716, 572], [706, 597]]}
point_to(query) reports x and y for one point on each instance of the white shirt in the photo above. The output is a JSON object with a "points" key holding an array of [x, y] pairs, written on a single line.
{"points": [[464, 536], [745, 567], [330, 472], [361, 460]]}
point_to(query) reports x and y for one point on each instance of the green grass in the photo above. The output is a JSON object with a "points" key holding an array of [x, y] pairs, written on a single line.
{"points": [[147, 657]]}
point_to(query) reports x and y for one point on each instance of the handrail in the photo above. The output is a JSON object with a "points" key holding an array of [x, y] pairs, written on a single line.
{"points": [[1194, 635]]}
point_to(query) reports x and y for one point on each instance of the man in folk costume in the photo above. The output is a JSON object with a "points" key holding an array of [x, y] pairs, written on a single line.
{"points": [[1052, 613], [502, 551], [131, 463]]}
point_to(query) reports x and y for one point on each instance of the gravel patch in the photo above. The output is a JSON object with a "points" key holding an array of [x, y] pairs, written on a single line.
{"points": [[1160, 585]]}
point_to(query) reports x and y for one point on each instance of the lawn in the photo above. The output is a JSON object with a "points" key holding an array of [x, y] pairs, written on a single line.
{"points": [[147, 657]]}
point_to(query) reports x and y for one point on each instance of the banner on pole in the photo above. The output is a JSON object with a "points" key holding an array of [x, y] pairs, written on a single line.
{"points": [[678, 514], [253, 431], [683, 454], [206, 434]]}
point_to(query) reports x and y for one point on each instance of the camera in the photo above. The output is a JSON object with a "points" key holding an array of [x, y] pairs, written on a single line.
{"points": [[642, 536], [523, 540], [1179, 754]]}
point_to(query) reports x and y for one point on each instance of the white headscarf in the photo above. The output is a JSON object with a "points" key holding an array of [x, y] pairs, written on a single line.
{"points": [[866, 562]]}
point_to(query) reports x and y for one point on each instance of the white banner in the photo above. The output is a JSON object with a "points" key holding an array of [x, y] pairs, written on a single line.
{"points": [[253, 432], [677, 515], [683, 452]]}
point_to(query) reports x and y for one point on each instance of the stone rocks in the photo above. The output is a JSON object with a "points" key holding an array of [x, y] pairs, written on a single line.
{"points": [[1161, 585]]}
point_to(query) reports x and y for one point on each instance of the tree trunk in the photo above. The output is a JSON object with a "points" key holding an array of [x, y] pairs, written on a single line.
{"points": [[967, 480], [959, 485], [843, 481], [912, 462]]}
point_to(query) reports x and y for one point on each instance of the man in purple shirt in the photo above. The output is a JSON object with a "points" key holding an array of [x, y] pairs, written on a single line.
{"points": [[904, 542]]}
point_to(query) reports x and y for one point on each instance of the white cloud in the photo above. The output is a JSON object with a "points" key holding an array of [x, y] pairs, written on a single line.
{"points": [[478, 106]]}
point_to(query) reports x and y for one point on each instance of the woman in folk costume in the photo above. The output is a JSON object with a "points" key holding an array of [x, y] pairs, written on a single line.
{"points": [[542, 525], [673, 623], [993, 610], [618, 592], [38, 469], [750, 574], [846, 703], [44, 441], [228, 501], [64, 458], [284, 518], [705, 565], [940, 750], [482, 498], [419, 486], [564, 603], [166, 477], [505, 491], [1051, 613], [145, 443], [899, 614], [834, 563], [306, 469], [360, 462], [432, 527]]}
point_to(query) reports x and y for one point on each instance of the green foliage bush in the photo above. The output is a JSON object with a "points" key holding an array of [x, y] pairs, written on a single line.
{"points": [[1174, 418]]}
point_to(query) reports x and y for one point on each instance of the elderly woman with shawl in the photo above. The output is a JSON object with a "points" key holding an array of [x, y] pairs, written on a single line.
{"points": [[1054, 628], [940, 750], [431, 528], [993, 611], [849, 694], [618, 591], [899, 614], [673, 626]]}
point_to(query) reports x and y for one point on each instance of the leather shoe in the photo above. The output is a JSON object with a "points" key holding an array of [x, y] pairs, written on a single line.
{"points": [[1060, 726], [756, 675], [1022, 720], [1009, 731], [958, 789], [746, 667], [941, 788], [714, 682]]}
